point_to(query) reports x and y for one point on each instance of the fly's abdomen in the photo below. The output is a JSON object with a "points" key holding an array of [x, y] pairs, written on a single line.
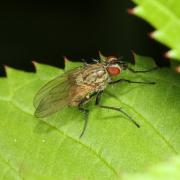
{"points": [[79, 94]]}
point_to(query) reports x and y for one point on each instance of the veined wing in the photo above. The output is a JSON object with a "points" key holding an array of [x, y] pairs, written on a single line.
{"points": [[54, 95]]}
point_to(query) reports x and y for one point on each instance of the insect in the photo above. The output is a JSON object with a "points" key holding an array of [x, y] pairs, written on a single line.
{"points": [[77, 86]]}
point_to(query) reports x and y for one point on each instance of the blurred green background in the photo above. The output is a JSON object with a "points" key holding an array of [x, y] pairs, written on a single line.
{"points": [[46, 31]]}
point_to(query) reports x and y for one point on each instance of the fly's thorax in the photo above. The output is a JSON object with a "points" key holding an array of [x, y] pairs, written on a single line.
{"points": [[94, 75]]}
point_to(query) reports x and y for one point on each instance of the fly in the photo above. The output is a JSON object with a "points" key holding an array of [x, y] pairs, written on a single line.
{"points": [[76, 87]]}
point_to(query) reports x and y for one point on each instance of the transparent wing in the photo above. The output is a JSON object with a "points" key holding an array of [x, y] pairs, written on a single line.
{"points": [[54, 95]]}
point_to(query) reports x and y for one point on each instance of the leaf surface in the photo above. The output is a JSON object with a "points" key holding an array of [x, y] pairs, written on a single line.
{"points": [[161, 171], [50, 148]]}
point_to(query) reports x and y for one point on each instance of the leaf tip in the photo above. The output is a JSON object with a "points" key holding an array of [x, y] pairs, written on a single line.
{"points": [[154, 34], [133, 57], [6, 67], [131, 11], [34, 64], [138, 11], [133, 52], [177, 69], [66, 60], [170, 54]]}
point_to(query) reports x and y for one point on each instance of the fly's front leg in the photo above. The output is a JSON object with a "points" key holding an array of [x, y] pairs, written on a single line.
{"points": [[143, 71], [98, 98], [129, 81]]}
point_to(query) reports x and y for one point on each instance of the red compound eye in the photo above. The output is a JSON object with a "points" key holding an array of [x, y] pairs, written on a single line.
{"points": [[113, 71]]}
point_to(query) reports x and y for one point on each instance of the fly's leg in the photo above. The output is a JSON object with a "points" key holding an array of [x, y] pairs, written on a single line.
{"points": [[86, 114], [98, 98], [129, 81], [86, 117], [123, 112], [143, 71]]}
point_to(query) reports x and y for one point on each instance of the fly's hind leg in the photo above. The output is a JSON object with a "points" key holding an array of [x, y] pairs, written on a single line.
{"points": [[98, 98]]}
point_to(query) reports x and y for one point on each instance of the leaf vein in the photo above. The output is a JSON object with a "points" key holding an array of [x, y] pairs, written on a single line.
{"points": [[155, 130], [11, 167], [107, 164]]}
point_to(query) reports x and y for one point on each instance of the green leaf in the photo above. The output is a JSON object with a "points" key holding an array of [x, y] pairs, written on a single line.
{"points": [[50, 148], [162, 171], [165, 17]]}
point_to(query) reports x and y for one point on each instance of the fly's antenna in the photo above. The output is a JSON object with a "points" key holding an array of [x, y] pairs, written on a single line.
{"points": [[122, 63], [120, 60]]}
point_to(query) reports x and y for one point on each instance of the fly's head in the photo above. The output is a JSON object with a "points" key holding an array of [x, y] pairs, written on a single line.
{"points": [[114, 65]]}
